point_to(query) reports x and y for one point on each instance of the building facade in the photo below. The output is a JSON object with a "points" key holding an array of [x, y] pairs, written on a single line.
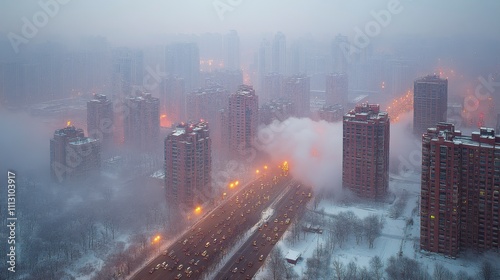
{"points": [[173, 98], [74, 157], [365, 165], [142, 122], [183, 60], [430, 102], [100, 120], [333, 113], [460, 206], [297, 89], [242, 121], [336, 89], [188, 164]]}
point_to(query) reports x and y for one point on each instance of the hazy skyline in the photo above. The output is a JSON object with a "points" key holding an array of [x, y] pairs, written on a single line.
{"points": [[127, 22]]}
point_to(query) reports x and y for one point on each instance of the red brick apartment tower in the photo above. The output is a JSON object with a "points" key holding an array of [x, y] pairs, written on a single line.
{"points": [[188, 164], [365, 166], [460, 190], [242, 120]]}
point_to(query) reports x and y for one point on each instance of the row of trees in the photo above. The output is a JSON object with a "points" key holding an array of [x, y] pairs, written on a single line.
{"points": [[320, 266]]}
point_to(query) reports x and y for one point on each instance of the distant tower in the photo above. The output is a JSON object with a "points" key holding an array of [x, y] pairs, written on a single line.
{"points": [[264, 61], [460, 194], [336, 89], [232, 51], [173, 98], [297, 89], [340, 54], [183, 60], [242, 121], [273, 87], [430, 102], [365, 166], [100, 120], [498, 123], [74, 157], [188, 164], [127, 71], [142, 122], [279, 53]]}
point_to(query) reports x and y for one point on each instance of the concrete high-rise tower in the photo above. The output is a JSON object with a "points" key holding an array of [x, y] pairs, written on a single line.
{"points": [[430, 102], [242, 120], [460, 194], [365, 165], [188, 164], [100, 120]]}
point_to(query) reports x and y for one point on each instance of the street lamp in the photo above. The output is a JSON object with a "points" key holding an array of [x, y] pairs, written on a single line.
{"points": [[157, 240]]}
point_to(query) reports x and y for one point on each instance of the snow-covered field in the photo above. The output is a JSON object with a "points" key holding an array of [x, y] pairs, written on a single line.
{"points": [[396, 236]]}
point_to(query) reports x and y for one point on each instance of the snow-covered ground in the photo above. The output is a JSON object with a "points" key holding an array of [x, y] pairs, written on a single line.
{"points": [[395, 236]]}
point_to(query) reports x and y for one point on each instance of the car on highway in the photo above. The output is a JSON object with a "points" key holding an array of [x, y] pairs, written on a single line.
{"points": [[152, 270], [250, 264], [158, 266], [207, 245], [261, 257], [179, 276], [235, 270], [180, 267]]}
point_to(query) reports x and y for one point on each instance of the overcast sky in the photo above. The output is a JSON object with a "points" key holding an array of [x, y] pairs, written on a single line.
{"points": [[123, 21]]}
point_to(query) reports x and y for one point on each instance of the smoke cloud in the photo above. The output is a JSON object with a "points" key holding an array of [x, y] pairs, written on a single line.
{"points": [[313, 150]]}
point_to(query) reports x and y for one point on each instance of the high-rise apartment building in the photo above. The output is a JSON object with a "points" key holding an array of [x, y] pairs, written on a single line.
{"points": [[430, 102], [232, 51], [336, 89], [188, 164], [100, 120], [460, 192], [173, 98], [183, 60], [74, 157], [365, 165], [297, 89], [272, 87], [340, 53], [242, 120], [279, 53], [278, 110], [142, 122], [127, 71]]}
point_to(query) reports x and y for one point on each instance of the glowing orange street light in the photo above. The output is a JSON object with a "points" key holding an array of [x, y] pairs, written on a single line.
{"points": [[257, 171], [236, 183], [231, 185], [68, 123], [157, 238], [265, 166], [197, 210]]}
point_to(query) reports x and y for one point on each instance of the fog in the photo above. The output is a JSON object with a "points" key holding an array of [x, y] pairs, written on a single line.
{"points": [[56, 55]]}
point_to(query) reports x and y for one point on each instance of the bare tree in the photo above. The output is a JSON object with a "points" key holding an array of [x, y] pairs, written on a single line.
{"points": [[376, 268], [442, 273], [462, 275], [339, 269], [352, 271], [373, 227], [487, 272], [277, 267]]}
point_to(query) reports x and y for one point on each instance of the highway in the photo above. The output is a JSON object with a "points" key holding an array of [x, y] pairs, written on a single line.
{"points": [[250, 257], [207, 242]]}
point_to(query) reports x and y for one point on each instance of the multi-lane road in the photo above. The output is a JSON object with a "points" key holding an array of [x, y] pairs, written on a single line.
{"points": [[251, 255], [209, 241]]}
